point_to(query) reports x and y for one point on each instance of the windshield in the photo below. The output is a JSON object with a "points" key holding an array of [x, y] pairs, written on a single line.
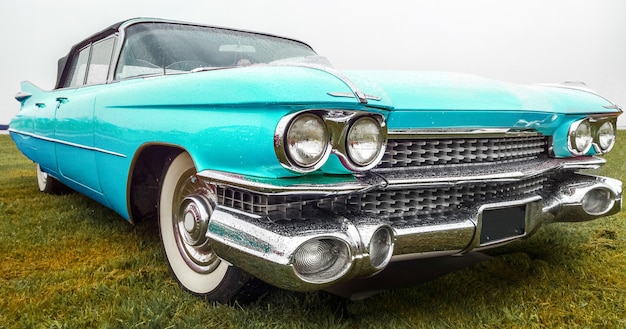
{"points": [[166, 48]]}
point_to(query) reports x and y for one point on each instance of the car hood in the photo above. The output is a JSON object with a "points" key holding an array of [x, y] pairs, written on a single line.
{"points": [[437, 91], [391, 90]]}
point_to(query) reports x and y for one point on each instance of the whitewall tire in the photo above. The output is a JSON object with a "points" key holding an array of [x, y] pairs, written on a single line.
{"points": [[192, 261]]}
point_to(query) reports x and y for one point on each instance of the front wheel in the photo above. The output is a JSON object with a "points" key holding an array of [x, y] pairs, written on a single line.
{"points": [[183, 222]]}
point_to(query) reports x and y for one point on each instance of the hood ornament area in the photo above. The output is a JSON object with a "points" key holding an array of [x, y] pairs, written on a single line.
{"points": [[359, 94], [320, 63]]}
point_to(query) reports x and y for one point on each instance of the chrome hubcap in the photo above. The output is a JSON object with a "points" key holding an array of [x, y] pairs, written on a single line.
{"points": [[193, 220], [191, 217]]}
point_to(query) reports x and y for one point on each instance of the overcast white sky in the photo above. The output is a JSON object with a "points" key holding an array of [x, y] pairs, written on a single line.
{"points": [[524, 41]]}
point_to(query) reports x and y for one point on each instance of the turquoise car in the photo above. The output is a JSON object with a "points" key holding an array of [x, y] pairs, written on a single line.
{"points": [[258, 159]]}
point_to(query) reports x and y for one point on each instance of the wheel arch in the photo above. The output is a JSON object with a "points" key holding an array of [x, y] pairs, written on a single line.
{"points": [[144, 179]]}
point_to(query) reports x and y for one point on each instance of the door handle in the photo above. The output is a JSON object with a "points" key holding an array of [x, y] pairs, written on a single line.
{"points": [[61, 100]]}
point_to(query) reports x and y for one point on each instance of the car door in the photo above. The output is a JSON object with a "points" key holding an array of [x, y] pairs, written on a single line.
{"points": [[74, 116]]}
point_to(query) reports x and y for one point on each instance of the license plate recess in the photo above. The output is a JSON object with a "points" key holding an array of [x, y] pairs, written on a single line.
{"points": [[500, 223]]}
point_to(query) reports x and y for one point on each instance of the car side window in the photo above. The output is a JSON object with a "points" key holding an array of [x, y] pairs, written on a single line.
{"points": [[100, 60], [78, 69], [91, 64]]}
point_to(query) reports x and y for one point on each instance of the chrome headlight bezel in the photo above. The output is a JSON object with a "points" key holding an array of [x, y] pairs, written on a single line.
{"points": [[339, 126], [592, 135], [605, 137], [292, 135], [580, 137], [364, 142], [343, 126]]}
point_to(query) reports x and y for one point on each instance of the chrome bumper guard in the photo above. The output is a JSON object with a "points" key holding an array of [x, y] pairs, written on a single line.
{"points": [[267, 249]]}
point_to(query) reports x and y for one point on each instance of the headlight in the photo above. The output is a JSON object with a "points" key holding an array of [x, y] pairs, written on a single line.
{"points": [[606, 137], [364, 141], [580, 137], [304, 141], [307, 140]]}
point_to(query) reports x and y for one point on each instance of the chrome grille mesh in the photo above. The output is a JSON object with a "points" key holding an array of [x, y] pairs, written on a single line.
{"points": [[432, 152], [424, 205], [419, 205], [415, 206]]}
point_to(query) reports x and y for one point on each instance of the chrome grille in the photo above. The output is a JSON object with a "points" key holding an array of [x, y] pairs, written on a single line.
{"points": [[414, 206], [432, 152], [430, 204], [417, 205]]}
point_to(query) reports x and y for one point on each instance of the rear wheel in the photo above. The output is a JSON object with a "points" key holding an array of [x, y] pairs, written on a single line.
{"points": [[49, 184], [183, 222]]}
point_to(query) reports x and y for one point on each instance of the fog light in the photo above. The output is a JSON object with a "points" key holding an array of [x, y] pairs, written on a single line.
{"points": [[597, 201], [381, 248], [321, 260]]}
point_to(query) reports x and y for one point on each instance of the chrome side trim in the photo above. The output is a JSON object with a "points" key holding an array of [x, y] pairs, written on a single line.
{"points": [[54, 140]]}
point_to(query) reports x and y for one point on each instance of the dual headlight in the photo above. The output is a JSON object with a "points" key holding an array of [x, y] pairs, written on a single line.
{"points": [[587, 133], [304, 141]]}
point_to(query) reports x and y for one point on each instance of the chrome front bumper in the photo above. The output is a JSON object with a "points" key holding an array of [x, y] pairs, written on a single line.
{"points": [[266, 249]]}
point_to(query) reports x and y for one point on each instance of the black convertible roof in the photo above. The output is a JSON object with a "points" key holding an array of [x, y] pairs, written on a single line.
{"points": [[63, 60]]}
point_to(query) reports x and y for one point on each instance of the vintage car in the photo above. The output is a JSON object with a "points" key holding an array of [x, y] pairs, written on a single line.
{"points": [[260, 160]]}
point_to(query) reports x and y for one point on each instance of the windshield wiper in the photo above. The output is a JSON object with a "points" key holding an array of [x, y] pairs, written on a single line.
{"points": [[209, 68]]}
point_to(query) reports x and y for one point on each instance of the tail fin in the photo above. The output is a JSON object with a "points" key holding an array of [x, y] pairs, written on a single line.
{"points": [[28, 90]]}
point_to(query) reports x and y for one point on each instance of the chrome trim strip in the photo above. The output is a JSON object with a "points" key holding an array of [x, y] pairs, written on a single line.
{"points": [[459, 133], [54, 140], [396, 179], [277, 186], [346, 184]]}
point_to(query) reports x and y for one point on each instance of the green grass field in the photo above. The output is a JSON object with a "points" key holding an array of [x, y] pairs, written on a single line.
{"points": [[67, 262]]}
